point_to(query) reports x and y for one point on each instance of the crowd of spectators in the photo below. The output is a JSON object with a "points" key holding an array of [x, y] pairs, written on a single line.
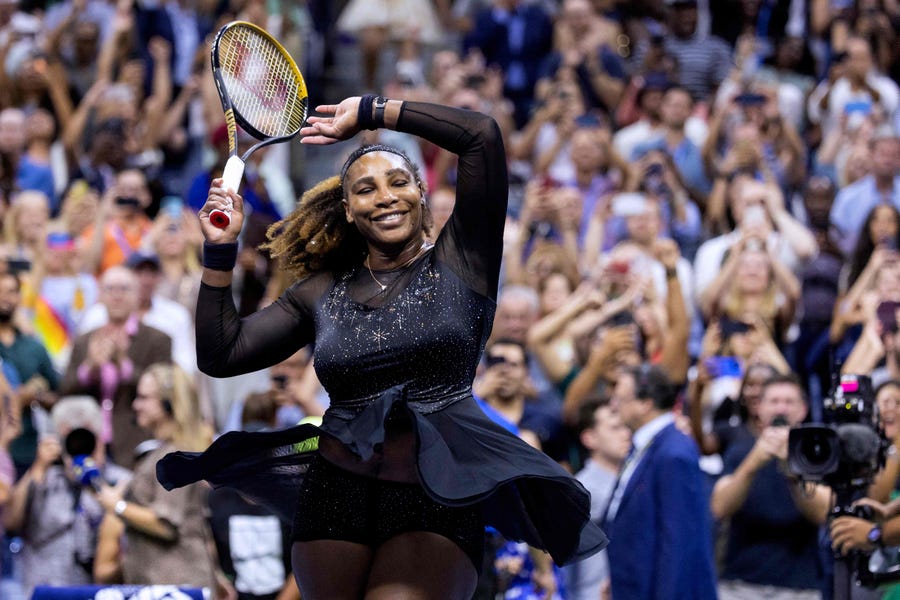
{"points": [[702, 192]]}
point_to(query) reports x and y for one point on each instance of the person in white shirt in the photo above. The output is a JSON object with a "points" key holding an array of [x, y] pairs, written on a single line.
{"points": [[759, 211], [607, 440], [857, 82]]}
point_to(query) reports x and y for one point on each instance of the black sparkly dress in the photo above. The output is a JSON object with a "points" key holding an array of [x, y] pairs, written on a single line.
{"points": [[412, 347]]}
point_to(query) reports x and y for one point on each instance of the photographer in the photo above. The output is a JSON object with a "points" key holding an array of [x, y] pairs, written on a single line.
{"points": [[49, 507], [773, 537], [753, 283], [759, 212], [294, 388], [679, 216], [877, 343], [887, 397], [504, 388], [504, 392], [875, 250], [121, 223], [550, 215]]}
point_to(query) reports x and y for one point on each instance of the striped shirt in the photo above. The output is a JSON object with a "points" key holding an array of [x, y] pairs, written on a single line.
{"points": [[703, 62]]}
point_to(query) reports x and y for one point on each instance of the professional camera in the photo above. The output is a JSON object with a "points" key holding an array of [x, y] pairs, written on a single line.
{"points": [[848, 448], [845, 452], [80, 445]]}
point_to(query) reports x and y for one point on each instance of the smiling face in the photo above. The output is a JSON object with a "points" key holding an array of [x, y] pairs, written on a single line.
{"points": [[384, 201], [888, 400]]}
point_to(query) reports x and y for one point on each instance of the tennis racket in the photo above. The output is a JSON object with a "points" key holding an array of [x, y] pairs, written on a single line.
{"points": [[261, 89]]}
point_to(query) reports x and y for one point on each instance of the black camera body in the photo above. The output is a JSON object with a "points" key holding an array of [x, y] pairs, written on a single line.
{"points": [[845, 452], [848, 448]]}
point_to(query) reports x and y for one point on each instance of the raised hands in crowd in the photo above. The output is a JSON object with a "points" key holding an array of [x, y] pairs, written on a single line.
{"points": [[705, 192]]}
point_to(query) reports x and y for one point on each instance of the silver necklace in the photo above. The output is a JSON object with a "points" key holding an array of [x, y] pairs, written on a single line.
{"points": [[425, 246], [375, 279]]}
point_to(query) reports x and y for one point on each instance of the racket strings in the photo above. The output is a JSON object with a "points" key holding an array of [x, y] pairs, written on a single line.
{"points": [[262, 83]]}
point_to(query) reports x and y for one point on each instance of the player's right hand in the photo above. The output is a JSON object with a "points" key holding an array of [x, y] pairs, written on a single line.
{"points": [[229, 201]]}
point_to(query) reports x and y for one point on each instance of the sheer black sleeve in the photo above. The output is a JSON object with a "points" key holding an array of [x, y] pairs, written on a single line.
{"points": [[228, 345], [472, 241]]}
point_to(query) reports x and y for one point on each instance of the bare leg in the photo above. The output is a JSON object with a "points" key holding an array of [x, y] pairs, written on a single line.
{"points": [[331, 569], [420, 565]]}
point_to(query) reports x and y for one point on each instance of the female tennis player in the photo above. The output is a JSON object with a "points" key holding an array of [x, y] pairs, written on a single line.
{"points": [[408, 470]]}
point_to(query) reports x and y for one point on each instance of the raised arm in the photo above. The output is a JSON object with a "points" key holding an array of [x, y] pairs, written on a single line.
{"points": [[227, 344], [472, 241]]}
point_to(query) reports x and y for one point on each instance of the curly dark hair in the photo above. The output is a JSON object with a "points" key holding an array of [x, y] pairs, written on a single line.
{"points": [[316, 236]]}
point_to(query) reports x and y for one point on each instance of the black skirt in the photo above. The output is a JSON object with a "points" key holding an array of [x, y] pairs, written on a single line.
{"points": [[463, 458]]}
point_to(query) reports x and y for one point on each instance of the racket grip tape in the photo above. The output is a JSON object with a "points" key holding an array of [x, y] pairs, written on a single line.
{"points": [[231, 180]]}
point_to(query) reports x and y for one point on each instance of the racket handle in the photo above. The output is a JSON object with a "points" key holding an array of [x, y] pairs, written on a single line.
{"points": [[231, 176], [231, 180]]}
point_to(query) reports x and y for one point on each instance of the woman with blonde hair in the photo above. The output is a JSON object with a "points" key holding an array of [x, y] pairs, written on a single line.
{"points": [[175, 239], [25, 224], [166, 538], [753, 284]]}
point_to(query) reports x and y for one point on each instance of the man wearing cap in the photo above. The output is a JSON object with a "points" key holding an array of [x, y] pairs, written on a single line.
{"points": [[154, 310]]}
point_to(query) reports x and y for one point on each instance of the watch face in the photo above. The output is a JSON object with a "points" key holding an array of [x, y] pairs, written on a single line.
{"points": [[875, 535]]}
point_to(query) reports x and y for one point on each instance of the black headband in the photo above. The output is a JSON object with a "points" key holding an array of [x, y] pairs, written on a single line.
{"points": [[372, 148]]}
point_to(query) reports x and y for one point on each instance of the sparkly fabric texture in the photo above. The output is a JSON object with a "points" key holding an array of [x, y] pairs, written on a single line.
{"points": [[431, 333], [411, 347], [339, 505]]}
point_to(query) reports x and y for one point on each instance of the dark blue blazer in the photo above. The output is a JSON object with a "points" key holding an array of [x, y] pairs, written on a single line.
{"points": [[491, 37], [661, 538]]}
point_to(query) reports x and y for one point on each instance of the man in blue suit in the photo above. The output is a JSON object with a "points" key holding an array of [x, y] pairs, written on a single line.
{"points": [[516, 37], [658, 520]]}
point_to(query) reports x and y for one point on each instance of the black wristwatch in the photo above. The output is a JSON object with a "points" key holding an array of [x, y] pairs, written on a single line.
{"points": [[379, 105], [874, 536]]}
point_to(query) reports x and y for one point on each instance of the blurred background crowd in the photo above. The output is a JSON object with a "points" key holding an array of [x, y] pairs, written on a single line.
{"points": [[710, 187]]}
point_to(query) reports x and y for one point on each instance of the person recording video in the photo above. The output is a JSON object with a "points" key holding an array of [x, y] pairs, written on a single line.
{"points": [[773, 538], [50, 508]]}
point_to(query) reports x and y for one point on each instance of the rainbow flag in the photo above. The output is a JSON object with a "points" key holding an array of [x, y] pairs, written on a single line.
{"points": [[50, 328]]}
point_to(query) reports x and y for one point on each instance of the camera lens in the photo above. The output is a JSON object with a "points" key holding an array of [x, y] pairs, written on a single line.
{"points": [[813, 451], [80, 442], [816, 450]]}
